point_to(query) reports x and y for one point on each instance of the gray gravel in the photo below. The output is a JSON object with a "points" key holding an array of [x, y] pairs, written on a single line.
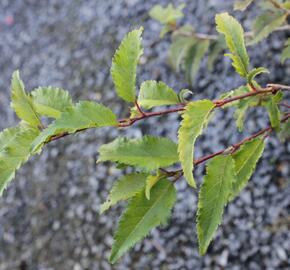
{"points": [[49, 215]]}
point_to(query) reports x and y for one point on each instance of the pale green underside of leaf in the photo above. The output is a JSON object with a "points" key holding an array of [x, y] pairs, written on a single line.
{"points": [[22, 103], [148, 152], [213, 196], [154, 94], [265, 24], [14, 152], [7, 136], [166, 15], [242, 4], [142, 215], [195, 118], [51, 101], [124, 189], [246, 159], [124, 65], [85, 114], [233, 93], [256, 71], [234, 35]]}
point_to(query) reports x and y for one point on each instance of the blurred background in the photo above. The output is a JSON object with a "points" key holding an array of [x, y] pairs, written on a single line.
{"points": [[49, 215]]}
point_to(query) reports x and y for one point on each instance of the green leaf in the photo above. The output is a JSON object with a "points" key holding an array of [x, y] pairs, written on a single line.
{"points": [[154, 94], [234, 35], [148, 152], [266, 23], [284, 134], [124, 189], [195, 118], [286, 51], [273, 111], [22, 103], [242, 107], [51, 101], [7, 136], [14, 152], [151, 181], [142, 215], [233, 93], [167, 15], [193, 58], [242, 4], [213, 196], [246, 159], [178, 50], [85, 114], [215, 49], [256, 71], [124, 65]]}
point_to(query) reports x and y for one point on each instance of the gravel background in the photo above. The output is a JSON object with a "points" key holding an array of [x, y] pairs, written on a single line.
{"points": [[49, 215]]}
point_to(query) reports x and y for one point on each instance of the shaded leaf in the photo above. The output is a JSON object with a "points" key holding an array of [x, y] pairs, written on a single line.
{"points": [[234, 35], [22, 103], [193, 58], [246, 159], [51, 101], [286, 51], [148, 152], [242, 4], [154, 94], [85, 114], [273, 111], [195, 118], [213, 196], [266, 23], [124, 189], [124, 65], [142, 215]]}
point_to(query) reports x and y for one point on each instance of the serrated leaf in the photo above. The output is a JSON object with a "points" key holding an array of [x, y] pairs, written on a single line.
{"points": [[178, 50], [124, 65], [151, 181], [266, 23], [22, 103], [148, 152], [7, 136], [85, 114], [213, 196], [193, 58], [14, 152], [142, 215], [286, 51], [124, 189], [154, 94], [167, 15], [256, 71], [195, 118], [234, 35], [51, 101], [242, 4], [246, 159]]}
